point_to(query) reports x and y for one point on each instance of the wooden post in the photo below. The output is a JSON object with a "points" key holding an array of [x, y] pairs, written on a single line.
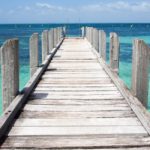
{"points": [[92, 35], [45, 44], [83, 32], [140, 70], [55, 37], [102, 44], [64, 31], [87, 33], [10, 71], [60, 33], [96, 39], [33, 54], [51, 39], [114, 52]]}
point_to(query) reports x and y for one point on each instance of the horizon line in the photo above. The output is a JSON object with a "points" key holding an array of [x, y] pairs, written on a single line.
{"points": [[80, 23]]}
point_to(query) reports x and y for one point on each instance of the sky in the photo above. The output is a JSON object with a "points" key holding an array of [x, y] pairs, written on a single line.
{"points": [[74, 11]]}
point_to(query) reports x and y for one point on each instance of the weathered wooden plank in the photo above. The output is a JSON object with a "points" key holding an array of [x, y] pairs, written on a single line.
{"points": [[55, 115], [77, 122], [86, 130], [76, 102], [49, 88], [71, 76], [131, 148], [79, 97], [67, 85], [90, 65], [77, 81], [74, 108], [90, 93], [72, 71], [75, 54], [85, 142], [10, 71], [72, 61]]}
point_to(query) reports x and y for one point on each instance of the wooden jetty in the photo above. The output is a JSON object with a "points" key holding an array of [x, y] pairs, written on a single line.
{"points": [[74, 100]]}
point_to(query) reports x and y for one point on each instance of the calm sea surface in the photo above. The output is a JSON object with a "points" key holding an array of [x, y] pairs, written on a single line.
{"points": [[126, 32]]}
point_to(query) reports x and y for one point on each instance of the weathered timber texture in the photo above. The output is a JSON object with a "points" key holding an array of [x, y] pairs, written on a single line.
{"points": [[45, 45], [76, 105], [140, 70], [114, 52], [34, 62], [83, 32], [102, 44], [10, 71], [51, 39]]}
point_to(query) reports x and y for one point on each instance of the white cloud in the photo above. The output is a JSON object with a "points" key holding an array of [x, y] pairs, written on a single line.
{"points": [[117, 11], [53, 7], [118, 5]]}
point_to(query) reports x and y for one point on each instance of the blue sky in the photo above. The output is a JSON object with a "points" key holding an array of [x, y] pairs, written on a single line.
{"points": [[68, 11]]}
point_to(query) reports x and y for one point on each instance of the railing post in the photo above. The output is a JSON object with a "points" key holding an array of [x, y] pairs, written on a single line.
{"points": [[10, 71], [51, 39], [64, 31], [55, 37], [61, 33], [114, 52], [45, 46], [90, 35], [140, 70], [96, 39], [102, 44], [93, 37], [83, 32], [33, 54], [87, 33]]}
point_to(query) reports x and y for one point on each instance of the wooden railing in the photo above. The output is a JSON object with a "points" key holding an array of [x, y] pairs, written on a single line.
{"points": [[10, 61], [140, 60]]}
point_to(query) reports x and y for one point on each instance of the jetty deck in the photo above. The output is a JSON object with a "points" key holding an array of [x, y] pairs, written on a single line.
{"points": [[77, 104]]}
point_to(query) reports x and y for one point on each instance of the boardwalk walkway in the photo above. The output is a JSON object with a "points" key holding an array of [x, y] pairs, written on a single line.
{"points": [[77, 105]]}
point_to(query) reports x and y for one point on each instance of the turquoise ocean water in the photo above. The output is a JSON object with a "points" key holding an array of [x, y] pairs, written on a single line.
{"points": [[126, 32]]}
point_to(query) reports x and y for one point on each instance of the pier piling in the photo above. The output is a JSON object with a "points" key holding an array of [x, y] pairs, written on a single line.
{"points": [[10, 71], [140, 70], [34, 63], [102, 44], [45, 45], [114, 52]]}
